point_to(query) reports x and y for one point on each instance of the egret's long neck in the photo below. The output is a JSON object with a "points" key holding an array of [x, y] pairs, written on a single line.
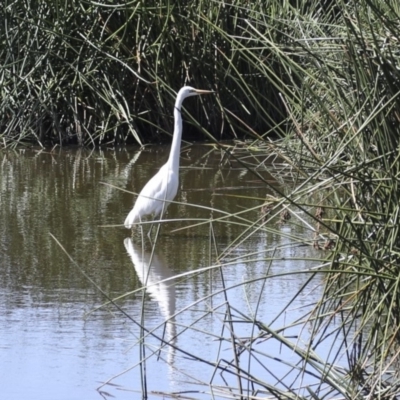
{"points": [[173, 160]]}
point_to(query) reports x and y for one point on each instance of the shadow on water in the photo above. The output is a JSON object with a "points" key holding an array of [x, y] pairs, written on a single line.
{"points": [[54, 332]]}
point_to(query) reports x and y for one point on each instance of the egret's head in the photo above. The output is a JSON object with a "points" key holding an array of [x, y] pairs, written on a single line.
{"points": [[188, 91]]}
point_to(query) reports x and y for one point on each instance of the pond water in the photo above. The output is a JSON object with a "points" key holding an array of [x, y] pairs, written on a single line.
{"points": [[64, 251]]}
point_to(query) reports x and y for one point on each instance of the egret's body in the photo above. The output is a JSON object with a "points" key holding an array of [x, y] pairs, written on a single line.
{"points": [[163, 186]]}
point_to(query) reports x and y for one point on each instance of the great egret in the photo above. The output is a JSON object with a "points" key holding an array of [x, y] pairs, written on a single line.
{"points": [[163, 186]]}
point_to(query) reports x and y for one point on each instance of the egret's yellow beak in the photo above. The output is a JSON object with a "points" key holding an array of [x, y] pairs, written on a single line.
{"points": [[200, 91]]}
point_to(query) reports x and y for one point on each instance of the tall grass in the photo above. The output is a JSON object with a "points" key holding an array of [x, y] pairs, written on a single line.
{"points": [[97, 73], [344, 106]]}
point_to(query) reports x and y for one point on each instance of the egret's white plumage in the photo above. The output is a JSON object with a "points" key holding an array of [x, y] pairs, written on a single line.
{"points": [[163, 186]]}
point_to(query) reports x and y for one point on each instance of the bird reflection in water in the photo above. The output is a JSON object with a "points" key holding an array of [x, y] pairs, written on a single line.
{"points": [[152, 271]]}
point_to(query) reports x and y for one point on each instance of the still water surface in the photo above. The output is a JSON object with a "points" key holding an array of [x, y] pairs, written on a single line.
{"points": [[56, 342]]}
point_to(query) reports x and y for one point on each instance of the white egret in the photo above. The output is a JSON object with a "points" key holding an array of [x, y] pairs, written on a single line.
{"points": [[163, 186]]}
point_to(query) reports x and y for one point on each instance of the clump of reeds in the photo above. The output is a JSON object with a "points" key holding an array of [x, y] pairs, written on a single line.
{"points": [[344, 107], [99, 73]]}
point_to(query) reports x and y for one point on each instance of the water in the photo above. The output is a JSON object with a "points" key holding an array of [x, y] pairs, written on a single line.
{"points": [[55, 339]]}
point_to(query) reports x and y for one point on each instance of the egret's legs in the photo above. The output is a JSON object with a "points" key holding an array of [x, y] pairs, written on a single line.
{"points": [[142, 231], [149, 232]]}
